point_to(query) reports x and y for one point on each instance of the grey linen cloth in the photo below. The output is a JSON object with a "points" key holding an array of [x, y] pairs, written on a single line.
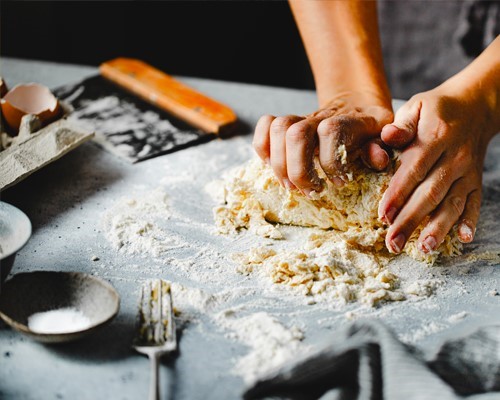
{"points": [[367, 361]]}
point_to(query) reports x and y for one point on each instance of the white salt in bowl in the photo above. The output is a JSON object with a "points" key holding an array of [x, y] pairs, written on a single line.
{"points": [[55, 307]]}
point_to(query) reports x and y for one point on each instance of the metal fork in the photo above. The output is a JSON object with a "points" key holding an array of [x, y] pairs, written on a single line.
{"points": [[156, 334]]}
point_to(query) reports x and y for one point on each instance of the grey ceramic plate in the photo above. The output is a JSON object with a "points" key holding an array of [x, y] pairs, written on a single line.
{"points": [[29, 293], [15, 230]]}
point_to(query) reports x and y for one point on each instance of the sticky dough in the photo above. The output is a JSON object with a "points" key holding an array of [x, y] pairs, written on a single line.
{"points": [[255, 200]]}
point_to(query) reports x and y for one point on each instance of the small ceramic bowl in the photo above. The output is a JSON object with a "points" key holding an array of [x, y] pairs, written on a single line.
{"points": [[15, 230], [29, 293]]}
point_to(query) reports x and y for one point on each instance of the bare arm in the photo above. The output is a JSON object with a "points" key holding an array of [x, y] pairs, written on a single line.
{"points": [[343, 46]]}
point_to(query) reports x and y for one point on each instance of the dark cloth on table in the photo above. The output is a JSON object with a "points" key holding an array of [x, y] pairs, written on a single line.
{"points": [[367, 361]]}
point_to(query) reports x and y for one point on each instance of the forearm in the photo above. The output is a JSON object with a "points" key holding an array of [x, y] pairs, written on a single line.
{"points": [[343, 47], [479, 85]]}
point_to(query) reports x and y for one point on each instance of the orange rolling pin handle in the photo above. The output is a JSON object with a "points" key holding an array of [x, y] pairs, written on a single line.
{"points": [[170, 95]]}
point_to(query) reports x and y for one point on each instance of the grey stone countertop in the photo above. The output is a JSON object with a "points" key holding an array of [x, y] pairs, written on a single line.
{"points": [[66, 200]]}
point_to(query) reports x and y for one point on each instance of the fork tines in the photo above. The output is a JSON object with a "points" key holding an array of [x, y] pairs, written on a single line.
{"points": [[156, 314]]}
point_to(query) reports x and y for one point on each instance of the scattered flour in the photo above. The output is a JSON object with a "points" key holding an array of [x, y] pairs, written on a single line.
{"points": [[320, 264], [423, 287], [63, 320], [198, 300], [132, 225], [457, 317], [422, 332], [125, 130], [271, 343], [492, 257]]}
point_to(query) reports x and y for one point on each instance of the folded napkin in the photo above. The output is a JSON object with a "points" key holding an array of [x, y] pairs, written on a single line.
{"points": [[367, 361]]}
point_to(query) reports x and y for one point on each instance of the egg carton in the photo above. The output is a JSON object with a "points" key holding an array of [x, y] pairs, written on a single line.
{"points": [[35, 147]]}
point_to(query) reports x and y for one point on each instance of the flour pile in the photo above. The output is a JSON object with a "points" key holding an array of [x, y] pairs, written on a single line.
{"points": [[133, 225], [271, 343], [345, 258]]}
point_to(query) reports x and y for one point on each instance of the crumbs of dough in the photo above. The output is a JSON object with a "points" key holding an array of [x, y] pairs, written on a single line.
{"points": [[326, 269], [346, 259]]}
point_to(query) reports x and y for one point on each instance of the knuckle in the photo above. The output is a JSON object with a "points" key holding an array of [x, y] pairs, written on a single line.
{"points": [[417, 172], [265, 119], [333, 125], [474, 202], [433, 196], [457, 203], [437, 229], [281, 123], [441, 131], [463, 158], [297, 132], [326, 127], [396, 198], [343, 122]]}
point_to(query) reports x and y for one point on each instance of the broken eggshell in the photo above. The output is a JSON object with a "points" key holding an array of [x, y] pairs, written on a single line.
{"points": [[3, 87], [30, 98], [3, 92]]}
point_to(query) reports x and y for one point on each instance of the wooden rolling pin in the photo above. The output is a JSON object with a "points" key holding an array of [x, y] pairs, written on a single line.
{"points": [[170, 95]]}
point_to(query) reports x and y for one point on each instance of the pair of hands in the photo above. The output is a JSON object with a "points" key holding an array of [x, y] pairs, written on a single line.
{"points": [[443, 144]]}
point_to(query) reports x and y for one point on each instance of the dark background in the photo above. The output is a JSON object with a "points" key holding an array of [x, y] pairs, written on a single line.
{"points": [[246, 41]]}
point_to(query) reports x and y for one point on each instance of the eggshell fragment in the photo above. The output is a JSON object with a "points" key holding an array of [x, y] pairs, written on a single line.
{"points": [[26, 99], [3, 87]]}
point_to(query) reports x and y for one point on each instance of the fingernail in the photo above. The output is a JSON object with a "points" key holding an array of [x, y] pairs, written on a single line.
{"points": [[428, 244], [307, 193], [465, 233], [397, 243], [288, 184], [390, 214], [385, 127]]}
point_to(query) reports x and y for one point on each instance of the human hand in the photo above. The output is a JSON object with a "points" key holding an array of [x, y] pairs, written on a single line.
{"points": [[289, 144], [440, 174]]}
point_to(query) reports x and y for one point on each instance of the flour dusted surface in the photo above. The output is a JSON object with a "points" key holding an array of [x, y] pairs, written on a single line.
{"points": [[132, 225], [270, 342], [207, 289]]}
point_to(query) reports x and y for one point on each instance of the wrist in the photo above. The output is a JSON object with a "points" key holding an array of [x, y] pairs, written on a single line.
{"points": [[348, 97], [479, 85], [481, 99]]}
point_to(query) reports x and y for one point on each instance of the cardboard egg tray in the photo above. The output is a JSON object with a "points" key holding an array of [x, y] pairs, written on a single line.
{"points": [[31, 151]]}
